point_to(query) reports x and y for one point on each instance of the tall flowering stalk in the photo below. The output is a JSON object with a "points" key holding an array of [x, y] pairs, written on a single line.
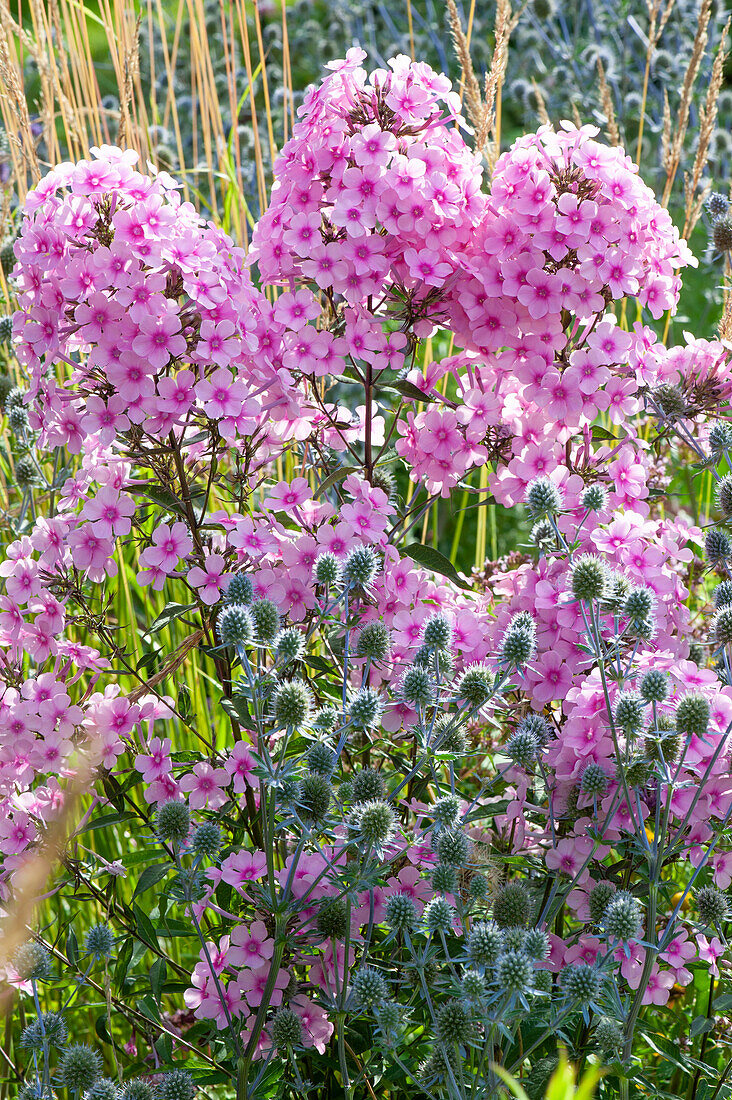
{"points": [[402, 826]]}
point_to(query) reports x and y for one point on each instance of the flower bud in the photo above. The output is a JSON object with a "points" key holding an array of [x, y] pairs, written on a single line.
{"points": [[177, 1085], [717, 547], [600, 898], [582, 982], [366, 709], [333, 919], [629, 712], [437, 632], [454, 1023], [712, 905], [367, 785], [439, 915], [594, 780], [289, 645], [654, 686], [266, 620], [622, 917], [321, 758], [360, 567], [453, 847], [483, 943], [315, 796], [692, 715], [401, 912], [327, 569], [594, 498], [417, 688], [206, 840], [32, 960], [475, 686]]}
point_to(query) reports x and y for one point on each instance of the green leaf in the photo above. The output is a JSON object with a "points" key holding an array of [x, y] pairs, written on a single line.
{"points": [[158, 974], [105, 820], [100, 1026], [145, 927], [408, 389], [332, 479], [150, 876], [169, 614], [510, 1082], [599, 432], [433, 560], [72, 947], [701, 1024]]}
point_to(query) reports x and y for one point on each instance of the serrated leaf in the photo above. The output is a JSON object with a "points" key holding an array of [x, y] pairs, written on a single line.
{"points": [[432, 559], [150, 876]]}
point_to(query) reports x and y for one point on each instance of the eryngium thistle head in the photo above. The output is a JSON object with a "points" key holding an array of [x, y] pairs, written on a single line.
{"points": [[717, 547], [608, 1034], [712, 905], [692, 714], [6, 329], [723, 594], [6, 385], [640, 603], [534, 723], [438, 915], [375, 822], [374, 641], [514, 971], [14, 399], [512, 939], [137, 1089], [716, 203], [173, 821], [629, 711], [18, 419], [512, 906], [670, 399], [483, 943], [401, 912], [444, 878], [542, 497], [102, 1089], [446, 811], [50, 1029], [234, 624], [721, 233], [315, 796], [321, 758], [7, 257], [285, 1030], [542, 981], [365, 709], [389, 1016], [594, 780], [266, 620], [367, 785], [452, 846], [454, 1023], [437, 632], [289, 645], [293, 704], [600, 898], [239, 589], [333, 919], [449, 736], [100, 941], [25, 473], [722, 625], [32, 960], [654, 686], [536, 944], [622, 917], [543, 534], [79, 1067], [589, 578], [720, 437], [519, 642], [417, 689], [478, 887], [475, 685], [473, 985], [429, 658], [326, 719], [327, 569], [360, 567], [368, 987], [594, 498], [177, 1085], [522, 748], [206, 840], [582, 982], [724, 495]]}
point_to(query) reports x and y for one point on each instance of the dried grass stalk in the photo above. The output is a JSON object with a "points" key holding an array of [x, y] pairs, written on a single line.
{"points": [[607, 105], [671, 163], [707, 119]]}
